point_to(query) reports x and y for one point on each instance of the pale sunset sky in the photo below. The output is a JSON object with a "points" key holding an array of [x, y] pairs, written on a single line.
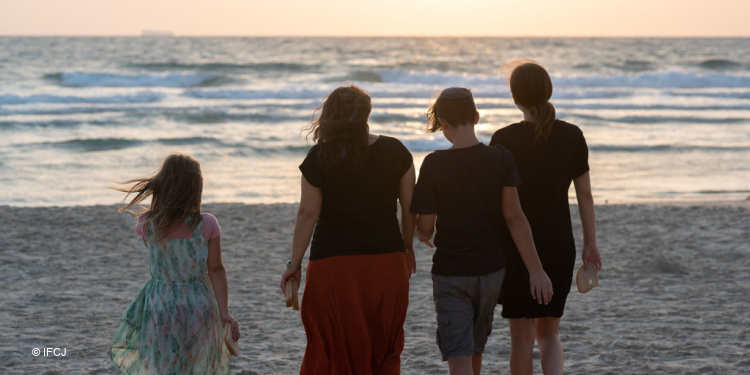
{"points": [[378, 17]]}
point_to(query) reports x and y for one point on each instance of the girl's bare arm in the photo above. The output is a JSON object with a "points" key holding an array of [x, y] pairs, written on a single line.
{"points": [[590, 253], [218, 276]]}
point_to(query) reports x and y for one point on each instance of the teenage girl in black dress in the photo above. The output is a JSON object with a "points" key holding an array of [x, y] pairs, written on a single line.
{"points": [[549, 154]]}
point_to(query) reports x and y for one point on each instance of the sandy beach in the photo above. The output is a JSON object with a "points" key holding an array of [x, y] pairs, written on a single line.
{"points": [[673, 297]]}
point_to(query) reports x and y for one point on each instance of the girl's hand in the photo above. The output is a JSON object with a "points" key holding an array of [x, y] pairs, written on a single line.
{"points": [[541, 287], [226, 318], [411, 262], [296, 274], [590, 255]]}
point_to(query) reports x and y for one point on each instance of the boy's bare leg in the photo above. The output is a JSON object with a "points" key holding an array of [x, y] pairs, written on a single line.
{"points": [[460, 365], [522, 335], [550, 346], [476, 363]]}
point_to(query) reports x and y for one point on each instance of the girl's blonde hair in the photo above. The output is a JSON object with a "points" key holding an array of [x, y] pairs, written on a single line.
{"points": [[175, 191], [531, 87]]}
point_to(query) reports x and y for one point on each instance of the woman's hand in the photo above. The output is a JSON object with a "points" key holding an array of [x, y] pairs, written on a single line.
{"points": [[296, 274], [411, 262], [541, 287], [590, 256], [226, 318]]}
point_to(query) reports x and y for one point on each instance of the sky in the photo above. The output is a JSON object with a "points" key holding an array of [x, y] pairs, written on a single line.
{"points": [[378, 17]]}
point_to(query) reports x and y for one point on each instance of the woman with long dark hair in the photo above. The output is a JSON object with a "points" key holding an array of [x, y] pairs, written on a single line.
{"points": [[357, 280], [549, 154]]}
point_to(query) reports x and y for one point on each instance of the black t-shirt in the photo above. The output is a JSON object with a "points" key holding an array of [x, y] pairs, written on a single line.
{"points": [[547, 169], [358, 214], [464, 188]]}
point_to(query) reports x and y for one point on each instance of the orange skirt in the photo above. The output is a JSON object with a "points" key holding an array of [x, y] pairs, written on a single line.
{"points": [[353, 310]]}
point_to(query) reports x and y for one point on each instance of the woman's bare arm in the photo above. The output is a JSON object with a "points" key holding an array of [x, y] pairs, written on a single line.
{"points": [[310, 202], [408, 220]]}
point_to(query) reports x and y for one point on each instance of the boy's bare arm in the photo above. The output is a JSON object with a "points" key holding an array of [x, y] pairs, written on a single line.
{"points": [[426, 227], [541, 286]]}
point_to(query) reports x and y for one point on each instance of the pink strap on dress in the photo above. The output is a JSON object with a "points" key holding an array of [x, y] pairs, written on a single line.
{"points": [[211, 228]]}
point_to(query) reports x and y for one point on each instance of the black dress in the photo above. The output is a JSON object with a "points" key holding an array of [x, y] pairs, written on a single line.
{"points": [[546, 168]]}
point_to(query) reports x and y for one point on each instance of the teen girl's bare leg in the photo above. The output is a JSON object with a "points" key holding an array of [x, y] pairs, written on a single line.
{"points": [[550, 346], [522, 336]]}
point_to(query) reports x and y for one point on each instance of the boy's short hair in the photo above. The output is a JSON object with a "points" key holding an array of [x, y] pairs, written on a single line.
{"points": [[454, 105]]}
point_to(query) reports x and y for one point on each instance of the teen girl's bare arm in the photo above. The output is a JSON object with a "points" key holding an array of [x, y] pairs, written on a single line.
{"points": [[590, 253], [310, 202], [541, 286], [408, 220], [218, 276]]}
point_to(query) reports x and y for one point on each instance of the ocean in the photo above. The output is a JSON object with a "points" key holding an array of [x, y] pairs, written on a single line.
{"points": [[665, 119]]}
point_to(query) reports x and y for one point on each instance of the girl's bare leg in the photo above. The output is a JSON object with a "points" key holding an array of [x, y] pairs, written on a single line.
{"points": [[522, 335], [550, 346]]}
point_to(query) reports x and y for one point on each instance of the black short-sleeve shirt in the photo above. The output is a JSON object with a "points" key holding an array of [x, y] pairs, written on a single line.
{"points": [[547, 168], [358, 213], [464, 188]]}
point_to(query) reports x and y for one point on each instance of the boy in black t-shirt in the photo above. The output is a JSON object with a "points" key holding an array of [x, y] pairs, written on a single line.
{"points": [[465, 190]]}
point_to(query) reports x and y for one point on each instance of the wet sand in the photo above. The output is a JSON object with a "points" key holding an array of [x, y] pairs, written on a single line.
{"points": [[673, 294]]}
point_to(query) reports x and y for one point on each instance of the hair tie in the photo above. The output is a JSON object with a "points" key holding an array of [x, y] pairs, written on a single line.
{"points": [[532, 108]]}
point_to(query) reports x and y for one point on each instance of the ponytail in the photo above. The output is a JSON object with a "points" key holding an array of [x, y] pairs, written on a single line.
{"points": [[543, 116]]}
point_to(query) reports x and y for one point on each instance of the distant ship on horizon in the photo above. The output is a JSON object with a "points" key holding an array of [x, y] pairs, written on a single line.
{"points": [[157, 33]]}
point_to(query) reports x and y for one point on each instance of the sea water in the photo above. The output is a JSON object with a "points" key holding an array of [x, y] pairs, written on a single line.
{"points": [[665, 119]]}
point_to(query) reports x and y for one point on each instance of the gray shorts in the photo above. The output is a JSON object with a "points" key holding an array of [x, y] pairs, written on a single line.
{"points": [[465, 307]]}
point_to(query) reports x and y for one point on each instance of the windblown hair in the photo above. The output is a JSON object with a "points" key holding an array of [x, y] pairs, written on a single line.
{"points": [[341, 130], [457, 112], [531, 87], [175, 191]]}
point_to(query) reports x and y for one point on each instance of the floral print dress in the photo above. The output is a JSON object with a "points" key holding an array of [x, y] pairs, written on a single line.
{"points": [[173, 325]]}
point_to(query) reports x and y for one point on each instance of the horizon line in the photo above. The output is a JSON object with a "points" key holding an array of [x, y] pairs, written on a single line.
{"points": [[372, 36]]}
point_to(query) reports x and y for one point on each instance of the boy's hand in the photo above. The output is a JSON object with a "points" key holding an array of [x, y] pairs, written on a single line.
{"points": [[424, 239], [541, 287]]}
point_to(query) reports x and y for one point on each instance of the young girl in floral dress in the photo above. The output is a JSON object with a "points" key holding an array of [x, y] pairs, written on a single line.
{"points": [[174, 324]]}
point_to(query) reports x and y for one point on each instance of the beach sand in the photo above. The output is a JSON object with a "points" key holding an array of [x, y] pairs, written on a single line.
{"points": [[673, 294]]}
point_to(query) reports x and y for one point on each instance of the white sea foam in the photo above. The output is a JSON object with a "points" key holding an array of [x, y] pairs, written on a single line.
{"points": [[670, 79], [439, 79], [91, 79], [244, 94], [140, 97]]}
